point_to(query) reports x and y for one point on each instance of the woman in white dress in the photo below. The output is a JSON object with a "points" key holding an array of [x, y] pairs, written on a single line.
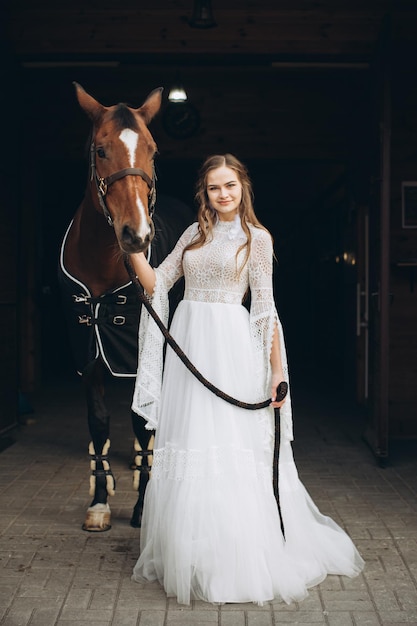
{"points": [[211, 528]]}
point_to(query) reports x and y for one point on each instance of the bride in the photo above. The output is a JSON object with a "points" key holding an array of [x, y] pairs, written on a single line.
{"points": [[211, 528]]}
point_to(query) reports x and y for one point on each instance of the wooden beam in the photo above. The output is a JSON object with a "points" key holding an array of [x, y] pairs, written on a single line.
{"points": [[71, 30]]}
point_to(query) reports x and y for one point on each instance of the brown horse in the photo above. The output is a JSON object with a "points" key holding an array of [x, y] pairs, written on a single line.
{"points": [[101, 306]]}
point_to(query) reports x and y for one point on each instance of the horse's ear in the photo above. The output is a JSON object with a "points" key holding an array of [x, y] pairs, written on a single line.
{"points": [[152, 104], [92, 107]]}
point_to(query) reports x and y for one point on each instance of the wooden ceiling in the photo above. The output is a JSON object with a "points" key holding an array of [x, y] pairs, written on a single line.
{"points": [[159, 31]]}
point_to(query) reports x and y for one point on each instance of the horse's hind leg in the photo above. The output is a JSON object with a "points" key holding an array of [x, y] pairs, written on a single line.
{"points": [[143, 464], [101, 480]]}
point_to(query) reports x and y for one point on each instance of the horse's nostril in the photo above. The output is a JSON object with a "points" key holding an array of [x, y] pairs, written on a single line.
{"points": [[128, 235]]}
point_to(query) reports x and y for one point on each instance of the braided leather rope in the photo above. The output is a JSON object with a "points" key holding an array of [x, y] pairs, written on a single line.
{"points": [[282, 388]]}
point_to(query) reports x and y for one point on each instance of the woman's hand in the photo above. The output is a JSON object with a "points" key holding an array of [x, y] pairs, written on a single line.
{"points": [[144, 272], [276, 366], [276, 379]]}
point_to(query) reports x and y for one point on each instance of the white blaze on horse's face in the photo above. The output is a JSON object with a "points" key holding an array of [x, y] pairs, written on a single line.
{"points": [[130, 139]]}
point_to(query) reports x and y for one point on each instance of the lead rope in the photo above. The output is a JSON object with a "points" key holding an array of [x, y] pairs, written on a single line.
{"points": [[281, 389]]}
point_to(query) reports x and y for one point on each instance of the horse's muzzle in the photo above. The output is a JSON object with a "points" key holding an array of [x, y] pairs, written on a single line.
{"points": [[130, 242]]}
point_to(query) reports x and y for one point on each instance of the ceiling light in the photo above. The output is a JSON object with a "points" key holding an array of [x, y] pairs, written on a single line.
{"points": [[177, 94]]}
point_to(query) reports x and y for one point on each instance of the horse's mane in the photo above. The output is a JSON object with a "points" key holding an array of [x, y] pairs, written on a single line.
{"points": [[124, 117]]}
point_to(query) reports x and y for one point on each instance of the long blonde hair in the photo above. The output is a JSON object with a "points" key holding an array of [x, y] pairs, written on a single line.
{"points": [[207, 216]]}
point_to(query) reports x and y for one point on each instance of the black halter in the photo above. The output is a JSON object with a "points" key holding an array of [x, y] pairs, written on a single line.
{"points": [[102, 184]]}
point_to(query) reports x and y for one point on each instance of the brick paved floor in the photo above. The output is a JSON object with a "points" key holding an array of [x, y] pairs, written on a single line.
{"points": [[54, 574]]}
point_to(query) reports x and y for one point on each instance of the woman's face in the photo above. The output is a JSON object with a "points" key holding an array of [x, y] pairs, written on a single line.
{"points": [[224, 192]]}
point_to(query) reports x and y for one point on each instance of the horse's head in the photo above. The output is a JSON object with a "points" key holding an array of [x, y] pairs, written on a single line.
{"points": [[122, 167]]}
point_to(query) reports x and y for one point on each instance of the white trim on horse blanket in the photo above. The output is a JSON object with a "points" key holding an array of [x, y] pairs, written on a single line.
{"points": [[106, 326]]}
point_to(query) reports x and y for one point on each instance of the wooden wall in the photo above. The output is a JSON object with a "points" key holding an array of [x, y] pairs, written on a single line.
{"points": [[261, 112]]}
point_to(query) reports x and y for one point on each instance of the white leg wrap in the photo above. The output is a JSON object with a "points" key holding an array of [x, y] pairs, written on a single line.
{"points": [[110, 486], [139, 461]]}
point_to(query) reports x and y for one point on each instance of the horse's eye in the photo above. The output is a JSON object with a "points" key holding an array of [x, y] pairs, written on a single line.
{"points": [[101, 153]]}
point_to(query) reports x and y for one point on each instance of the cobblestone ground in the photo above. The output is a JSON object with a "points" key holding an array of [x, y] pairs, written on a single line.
{"points": [[54, 574]]}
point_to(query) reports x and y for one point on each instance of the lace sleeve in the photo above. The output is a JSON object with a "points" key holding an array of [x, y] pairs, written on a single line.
{"points": [[263, 319], [171, 270], [147, 391]]}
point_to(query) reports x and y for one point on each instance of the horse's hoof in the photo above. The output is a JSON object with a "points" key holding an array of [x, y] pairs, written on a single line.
{"points": [[97, 519]]}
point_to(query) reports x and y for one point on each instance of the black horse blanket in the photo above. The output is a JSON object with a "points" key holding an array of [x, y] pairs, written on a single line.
{"points": [[105, 327]]}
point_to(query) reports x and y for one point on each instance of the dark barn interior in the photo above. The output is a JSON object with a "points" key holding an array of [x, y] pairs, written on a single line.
{"points": [[318, 98]]}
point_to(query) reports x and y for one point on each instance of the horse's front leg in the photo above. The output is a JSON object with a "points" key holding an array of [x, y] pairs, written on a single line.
{"points": [[102, 481], [143, 464]]}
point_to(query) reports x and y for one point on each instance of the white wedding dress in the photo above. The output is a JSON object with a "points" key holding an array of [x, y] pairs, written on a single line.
{"points": [[211, 528]]}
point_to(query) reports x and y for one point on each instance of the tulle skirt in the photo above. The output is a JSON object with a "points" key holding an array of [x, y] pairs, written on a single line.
{"points": [[211, 527]]}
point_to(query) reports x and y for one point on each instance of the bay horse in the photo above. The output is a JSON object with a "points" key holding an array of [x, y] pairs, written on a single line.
{"points": [[114, 218]]}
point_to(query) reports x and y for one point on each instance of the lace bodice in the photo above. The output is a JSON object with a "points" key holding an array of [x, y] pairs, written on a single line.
{"points": [[213, 273]]}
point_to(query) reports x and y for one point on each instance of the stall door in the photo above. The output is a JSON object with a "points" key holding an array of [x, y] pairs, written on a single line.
{"points": [[378, 296]]}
